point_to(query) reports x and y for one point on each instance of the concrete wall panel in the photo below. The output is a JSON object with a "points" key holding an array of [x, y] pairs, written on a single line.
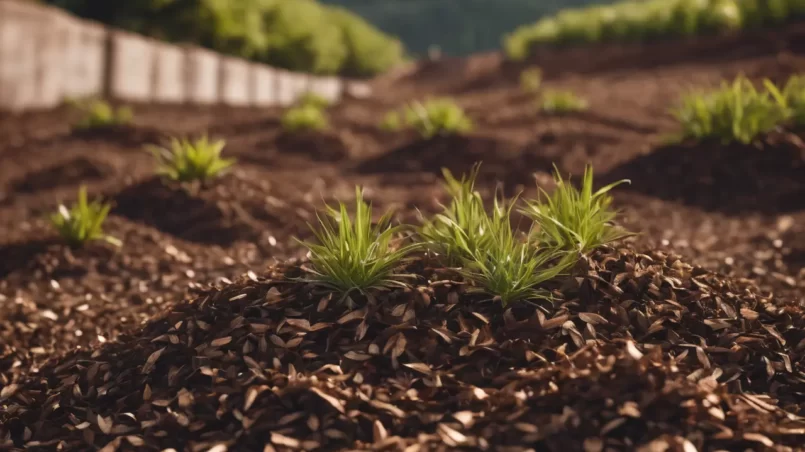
{"points": [[201, 76], [169, 74], [131, 65], [235, 88], [329, 88], [264, 86], [84, 59], [290, 86]]}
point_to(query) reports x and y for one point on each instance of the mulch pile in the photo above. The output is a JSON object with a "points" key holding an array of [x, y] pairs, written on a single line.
{"points": [[640, 352]]}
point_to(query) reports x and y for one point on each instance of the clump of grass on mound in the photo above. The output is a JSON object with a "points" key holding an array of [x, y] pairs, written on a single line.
{"points": [[304, 118], [531, 80], [459, 230], [353, 254], [438, 117], [82, 222], [188, 161], [575, 220], [314, 100], [98, 114], [738, 111], [562, 102], [391, 122]]}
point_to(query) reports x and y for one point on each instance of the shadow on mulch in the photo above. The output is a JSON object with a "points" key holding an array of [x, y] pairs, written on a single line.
{"points": [[23, 255], [176, 211], [129, 136], [71, 172], [502, 160], [732, 179], [326, 146]]}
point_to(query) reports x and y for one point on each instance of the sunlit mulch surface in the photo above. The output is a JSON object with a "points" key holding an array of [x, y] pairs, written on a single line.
{"points": [[643, 351]]}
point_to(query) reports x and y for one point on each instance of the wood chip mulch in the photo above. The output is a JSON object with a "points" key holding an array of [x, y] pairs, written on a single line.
{"points": [[643, 352]]}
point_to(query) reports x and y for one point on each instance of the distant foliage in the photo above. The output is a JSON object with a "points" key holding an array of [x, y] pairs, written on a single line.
{"points": [[314, 100], [304, 118], [633, 20], [96, 114], [437, 117], [391, 122], [738, 111], [561, 102], [531, 80], [300, 35]]}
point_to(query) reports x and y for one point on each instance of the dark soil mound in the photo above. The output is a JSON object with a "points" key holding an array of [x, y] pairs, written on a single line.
{"points": [[641, 351], [732, 179], [320, 146], [72, 172]]}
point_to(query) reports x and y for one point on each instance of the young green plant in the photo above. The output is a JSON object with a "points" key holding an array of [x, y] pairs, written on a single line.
{"points": [[437, 117], [392, 122], [561, 102], [314, 100], [304, 118], [82, 222], [188, 161], [511, 269], [531, 80], [575, 220], [99, 114], [460, 229], [353, 254], [794, 94], [736, 112]]}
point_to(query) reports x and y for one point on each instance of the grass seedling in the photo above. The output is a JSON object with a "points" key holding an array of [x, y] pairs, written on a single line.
{"points": [[437, 117], [460, 229], [353, 254], [794, 94], [736, 112], [562, 102], [304, 118], [187, 161], [312, 99], [99, 114], [531, 80], [510, 269], [392, 122], [575, 220], [83, 222]]}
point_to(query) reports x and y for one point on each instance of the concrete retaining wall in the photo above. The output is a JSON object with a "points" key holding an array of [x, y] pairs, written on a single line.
{"points": [[47, 55]]}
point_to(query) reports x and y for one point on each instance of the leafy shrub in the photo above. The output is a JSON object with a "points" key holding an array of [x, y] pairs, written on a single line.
{"points": [[531, 80], [99, 114], [352, 254], [83, 222], [560, 102], [368, 50], [187, 161], [573, 219], [304, 118], [736, 112], [314, 100], [459, 230], [438, 117], [392, 122]]}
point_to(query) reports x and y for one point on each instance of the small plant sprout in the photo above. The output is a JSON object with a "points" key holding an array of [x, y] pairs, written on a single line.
{"points": [[312, 99], [353, 254], [531, 80], [510, 269], [304, 118], [99, 114], [460, 229], [437, 117], [83, 222], [562, 102], [794, 94], [188, 161], [575, 220], [392, 122], [736, 112]]}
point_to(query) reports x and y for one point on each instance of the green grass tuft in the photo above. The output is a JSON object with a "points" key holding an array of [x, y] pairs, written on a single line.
{"points": [[575, 220], [392, 122], [83, 222], [531, 80], [187, 161], [736, 112], [97, 114], [561, 102], [460, 229], [304, 118], [353, 254], [313, 100], [438, 117], [794, 94]]}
